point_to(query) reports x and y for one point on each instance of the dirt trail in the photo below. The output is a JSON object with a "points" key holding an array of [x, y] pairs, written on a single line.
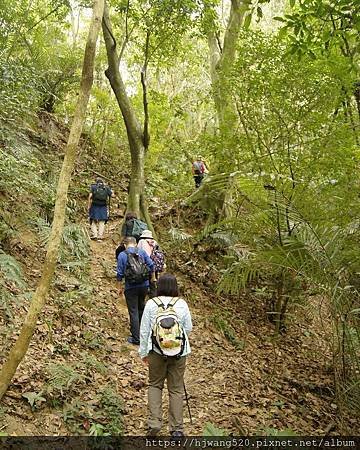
{"points": [[207, 379], [267, 384], [243, 391]]}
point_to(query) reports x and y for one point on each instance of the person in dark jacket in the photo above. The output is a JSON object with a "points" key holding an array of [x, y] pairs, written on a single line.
{"points": [[99, 195], [128, 225], [133, 226], [135, 293]]}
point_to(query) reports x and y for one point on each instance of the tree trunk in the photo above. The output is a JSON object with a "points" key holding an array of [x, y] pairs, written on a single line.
{"points": [[133, 128], [21, 345], [221, 63], [103, 138]]}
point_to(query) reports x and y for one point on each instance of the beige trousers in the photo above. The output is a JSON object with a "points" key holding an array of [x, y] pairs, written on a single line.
{"points": [[172, 370], [94, 228]]}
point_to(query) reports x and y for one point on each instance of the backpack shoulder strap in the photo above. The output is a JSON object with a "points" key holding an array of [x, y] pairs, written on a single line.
{"points": [[158, 302], [173, 301]]}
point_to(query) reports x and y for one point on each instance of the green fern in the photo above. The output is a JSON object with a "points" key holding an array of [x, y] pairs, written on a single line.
{"points": [[11, 270], [211, 430], [178, 235], [113, 407], [62, 378]]}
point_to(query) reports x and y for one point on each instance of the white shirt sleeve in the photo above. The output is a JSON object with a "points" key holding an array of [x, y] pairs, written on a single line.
{"points": [[145, 330], [187, 321]]}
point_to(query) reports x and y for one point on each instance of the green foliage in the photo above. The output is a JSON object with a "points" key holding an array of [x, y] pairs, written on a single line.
{"points": [[34, 398], [91, 364], [316, 26], [97, 429], [211, 430], [76, 241], [276, 432], [112, 405], [75, 248], [93, 340], [103, 417], [62, 380], [20, 158], [222, 322], [178, 235], [32, 67], [11, 270], [12, 283]]}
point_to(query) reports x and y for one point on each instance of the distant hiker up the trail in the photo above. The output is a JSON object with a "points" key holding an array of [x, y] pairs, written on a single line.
{"points": [[99, 196], [164, 346], [199, 170], [136, 267]]}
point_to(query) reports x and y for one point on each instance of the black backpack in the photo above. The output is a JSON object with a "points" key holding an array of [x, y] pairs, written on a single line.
{"points": [[136, 271], [100, 194]]}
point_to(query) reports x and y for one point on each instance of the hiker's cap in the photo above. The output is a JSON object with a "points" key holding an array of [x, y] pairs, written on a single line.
{"points": [[146, 234]]}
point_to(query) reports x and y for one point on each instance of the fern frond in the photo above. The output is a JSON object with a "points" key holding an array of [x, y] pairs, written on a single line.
{"points": [[178, 235], [11, 270]]}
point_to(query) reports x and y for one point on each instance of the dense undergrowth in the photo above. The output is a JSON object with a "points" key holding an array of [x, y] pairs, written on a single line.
{"points": [[34, 153], [75, 357]]}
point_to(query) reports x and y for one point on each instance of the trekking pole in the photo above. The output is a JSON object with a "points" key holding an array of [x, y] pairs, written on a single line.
{"points": [[109, 207], [187, 402]]}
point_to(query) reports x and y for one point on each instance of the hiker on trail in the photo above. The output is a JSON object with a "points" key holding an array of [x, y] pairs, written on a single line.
{"points": [[164, 345], [148, 243], [99, 195], [199, 170], [135, 266], [133, 226]]}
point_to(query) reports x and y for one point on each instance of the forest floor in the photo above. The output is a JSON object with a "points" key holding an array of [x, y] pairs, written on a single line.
{"points": [[255, 385]]}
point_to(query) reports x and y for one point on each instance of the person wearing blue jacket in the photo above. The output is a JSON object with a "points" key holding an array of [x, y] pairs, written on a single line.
{"points": [[135, 292]]}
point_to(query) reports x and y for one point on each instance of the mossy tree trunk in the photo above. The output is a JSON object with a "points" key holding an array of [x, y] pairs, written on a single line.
{"points": [[21, 345], [138, 136], [222, 58]]}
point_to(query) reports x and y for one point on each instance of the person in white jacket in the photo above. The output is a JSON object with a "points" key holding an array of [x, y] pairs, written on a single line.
{"points": [[161, 368]]}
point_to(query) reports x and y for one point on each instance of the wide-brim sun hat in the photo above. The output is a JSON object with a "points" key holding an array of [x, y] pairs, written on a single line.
{"points": [[146, 234]]}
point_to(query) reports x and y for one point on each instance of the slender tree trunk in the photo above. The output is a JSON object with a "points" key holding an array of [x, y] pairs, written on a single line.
{"points": [[357, 96], [221, 63], [21, 345], [222, 58], [104, 137], [133, 128]]}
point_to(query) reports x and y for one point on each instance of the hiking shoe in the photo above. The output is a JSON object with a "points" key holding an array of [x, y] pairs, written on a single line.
{"points": [[131, 340], [152, 432], [176, 436]]}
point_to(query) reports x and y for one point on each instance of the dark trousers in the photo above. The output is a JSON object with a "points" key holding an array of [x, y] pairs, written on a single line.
{"points": [[135, 301], [198, 179], [153, 285]]}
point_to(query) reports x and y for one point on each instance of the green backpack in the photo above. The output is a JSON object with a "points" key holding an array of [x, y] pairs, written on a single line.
{"points": [[138, 227]]}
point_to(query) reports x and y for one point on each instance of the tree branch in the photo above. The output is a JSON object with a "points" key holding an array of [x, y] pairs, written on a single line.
{"points": [[46, 16]]}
